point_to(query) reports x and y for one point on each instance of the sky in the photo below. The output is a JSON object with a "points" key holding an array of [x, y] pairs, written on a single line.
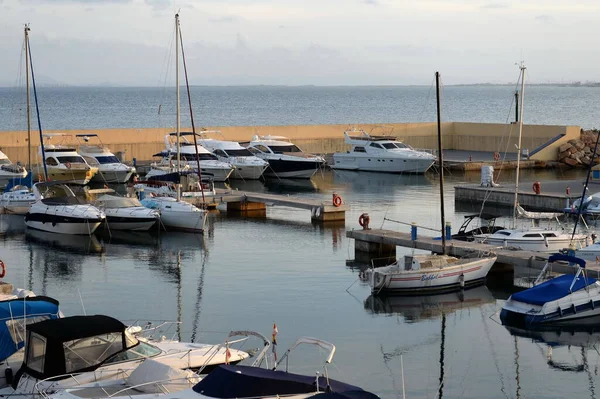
{"points": [[302, 42]]}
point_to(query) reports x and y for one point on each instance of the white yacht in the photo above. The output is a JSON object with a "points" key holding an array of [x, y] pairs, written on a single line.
{"points": [[538, 240], [285, 159], [185, 183], [63, 163], [177, 215], [380, 154], [58, 210], [110, 168], [125, 213], [247, 165], [9, 170], [210, 165]]}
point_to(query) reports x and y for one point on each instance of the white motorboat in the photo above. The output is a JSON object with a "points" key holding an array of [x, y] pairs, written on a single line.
{"points": [[176, 214], [285, 159], [210, 164], [380, 154], [110, 168], [125, 213], [98, 348], [567, 299], [17, 200], [429, 273], [247, 166], [169, 185], [9, 170], [230, 381], [538, 240], [63, 163], [58, 210]]}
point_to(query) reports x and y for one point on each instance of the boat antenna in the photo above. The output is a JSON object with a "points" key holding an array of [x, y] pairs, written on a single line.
{"points": [[440, 158], [178, 101], [585, 187], [28, 96], [37, 110], [187, 85], [516, 201]]}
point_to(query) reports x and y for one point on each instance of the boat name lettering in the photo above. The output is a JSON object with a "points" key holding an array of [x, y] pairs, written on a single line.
{"points": [[427, 277]]}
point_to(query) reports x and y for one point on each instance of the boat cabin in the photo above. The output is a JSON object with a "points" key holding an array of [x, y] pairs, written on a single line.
{"points": [[78, 344]]}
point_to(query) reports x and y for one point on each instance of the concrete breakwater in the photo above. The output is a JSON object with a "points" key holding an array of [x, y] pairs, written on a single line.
{"points": [[141, 144]]}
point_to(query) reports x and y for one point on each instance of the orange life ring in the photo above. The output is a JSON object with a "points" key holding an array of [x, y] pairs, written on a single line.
{"points": [[2, 269], [68, 165], [337, 200], [537, 187], [364, 220], [496, 156]]}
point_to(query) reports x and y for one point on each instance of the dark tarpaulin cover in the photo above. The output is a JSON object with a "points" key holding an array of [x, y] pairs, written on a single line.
{"points": [[246, 382], [345, 395], [75, 327], [22, 308], [552, 290]]}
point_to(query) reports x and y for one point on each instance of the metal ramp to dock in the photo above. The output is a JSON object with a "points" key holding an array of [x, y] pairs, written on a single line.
{"points": [[251, 202]]}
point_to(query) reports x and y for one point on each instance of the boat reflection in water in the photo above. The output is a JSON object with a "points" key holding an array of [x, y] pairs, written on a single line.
{"points": [[65, 243], [276, 186], [381, 183], [415, 308]]}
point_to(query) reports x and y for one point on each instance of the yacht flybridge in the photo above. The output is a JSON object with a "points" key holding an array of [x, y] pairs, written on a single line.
{"points": [[285, 159], [380, 154], [63, 163], [110, 168]]}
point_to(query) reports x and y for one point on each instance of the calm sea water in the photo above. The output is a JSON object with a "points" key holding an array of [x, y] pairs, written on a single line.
{"points": [[96, 108], [250, 273]]}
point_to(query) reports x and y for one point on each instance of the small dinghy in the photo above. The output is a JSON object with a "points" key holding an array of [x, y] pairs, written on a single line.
{"points": [[566, 299]]}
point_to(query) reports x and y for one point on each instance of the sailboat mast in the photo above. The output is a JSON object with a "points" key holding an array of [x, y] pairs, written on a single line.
{"points": [[178, 99], [441, 159], [523, 68], [28, 97]]}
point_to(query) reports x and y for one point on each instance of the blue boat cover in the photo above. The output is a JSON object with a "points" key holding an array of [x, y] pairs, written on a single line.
{"points": [[567, 258], [32, 309], [552, 290], [250, 382], [19, 181]]}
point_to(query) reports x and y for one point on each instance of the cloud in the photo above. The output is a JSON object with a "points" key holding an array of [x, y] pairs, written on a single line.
{"points": [[371, 2], [158, 4], [225, 19], [494, 6], [546, 19]]}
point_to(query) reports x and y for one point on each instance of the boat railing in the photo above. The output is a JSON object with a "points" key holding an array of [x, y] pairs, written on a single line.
{"points": [[48, 386], [151, 329]]}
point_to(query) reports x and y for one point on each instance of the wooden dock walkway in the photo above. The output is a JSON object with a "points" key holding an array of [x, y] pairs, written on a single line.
{"points": [[384, 242], [246, 201]]}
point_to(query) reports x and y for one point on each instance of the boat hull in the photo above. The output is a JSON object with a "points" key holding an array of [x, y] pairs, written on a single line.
{"points": [[388, 164], [292, 169], [248, 172], [112, 176], [134, 224], [73, 176], [183, 221], [536, 245], [80, 227], [466, 272]]}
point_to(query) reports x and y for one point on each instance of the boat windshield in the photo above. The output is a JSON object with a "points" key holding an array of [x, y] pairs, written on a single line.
{"points": [[70, 159], [5, 161], [107, 159], [91, 351], [401, 145], [241, 152], [278, 149], [143, 350]]}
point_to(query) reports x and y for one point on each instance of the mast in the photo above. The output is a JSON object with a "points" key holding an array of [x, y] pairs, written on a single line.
{"points": [[516, 105], [37, 111], [523, 68], [28, 98], [440, 158], [178, 99]]}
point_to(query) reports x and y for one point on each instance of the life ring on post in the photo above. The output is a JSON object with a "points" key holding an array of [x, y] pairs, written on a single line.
{"points": [[337, 200], [2, 269], [68, 165], [364, 220], [496, 156], [537, 187]]}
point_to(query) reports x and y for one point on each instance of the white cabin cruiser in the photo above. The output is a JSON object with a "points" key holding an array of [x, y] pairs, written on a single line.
{"points": [[247, 165], [63, 163], [58, 210], [9, 170], [110, 168], [17, 200], [535, 239], [566, 299], [99, 348], [285, 159], [126, 213], [380, 154], [209, 163], [429, 273], [176, 214]]}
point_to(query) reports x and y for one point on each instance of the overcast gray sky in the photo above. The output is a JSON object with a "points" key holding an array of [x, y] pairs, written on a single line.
{"points": [[297, 42]]}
